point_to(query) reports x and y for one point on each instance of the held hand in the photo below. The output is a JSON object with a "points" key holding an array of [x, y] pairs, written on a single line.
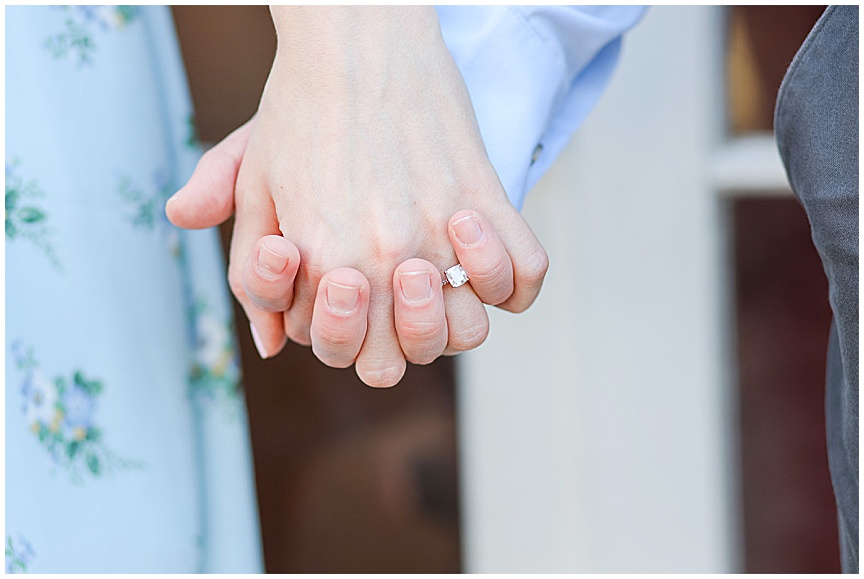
{"points": [[363, 153], [338, 332], [362, 166]]}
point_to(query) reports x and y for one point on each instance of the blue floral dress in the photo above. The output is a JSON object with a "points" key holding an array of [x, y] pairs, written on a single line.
{"points": [[127, 446]]}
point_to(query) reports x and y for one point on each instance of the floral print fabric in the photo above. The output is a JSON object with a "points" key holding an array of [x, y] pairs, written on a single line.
{"points": [[127, 447]]}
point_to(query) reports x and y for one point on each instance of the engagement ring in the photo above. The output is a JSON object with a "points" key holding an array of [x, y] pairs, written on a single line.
{"points": [[456, 276]]}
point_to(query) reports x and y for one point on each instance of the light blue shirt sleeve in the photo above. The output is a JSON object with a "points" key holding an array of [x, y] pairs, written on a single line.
{"points": [[533, 73]]}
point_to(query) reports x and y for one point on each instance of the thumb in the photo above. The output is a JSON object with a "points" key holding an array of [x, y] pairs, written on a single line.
{"points": [[207, 199]]}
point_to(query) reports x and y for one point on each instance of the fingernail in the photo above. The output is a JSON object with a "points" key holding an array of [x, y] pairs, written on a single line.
{"points": [[342, 298], [416, 285], [270, 262], [468, 230], [259, 343]]}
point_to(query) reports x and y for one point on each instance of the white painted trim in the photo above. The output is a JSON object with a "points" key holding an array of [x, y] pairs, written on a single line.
{"points": [[749, 166], [597, 429]]}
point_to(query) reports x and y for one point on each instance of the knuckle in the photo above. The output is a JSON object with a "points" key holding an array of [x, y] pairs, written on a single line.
{"points": [[422, 341], [530, 280], [393, 246], [496, 284], [419, 331], [519, 304], [267, 295], [469, 337], [516, 307], [273, 306], [334, 358], [424, 357], [535, 268], [335, 338]]}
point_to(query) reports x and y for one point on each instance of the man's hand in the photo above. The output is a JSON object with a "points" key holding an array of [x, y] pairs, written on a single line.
{"points": [[362, 150], [269, 272]]}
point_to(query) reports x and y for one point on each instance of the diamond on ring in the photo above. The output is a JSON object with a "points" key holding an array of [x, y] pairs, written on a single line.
{"points": [[456, 276]]}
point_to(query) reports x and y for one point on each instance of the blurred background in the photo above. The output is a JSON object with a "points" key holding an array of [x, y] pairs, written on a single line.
{"points": [[659, 409]]}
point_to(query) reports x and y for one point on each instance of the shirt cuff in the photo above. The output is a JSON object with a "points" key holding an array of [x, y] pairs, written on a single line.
{"points": [[533, 75]]}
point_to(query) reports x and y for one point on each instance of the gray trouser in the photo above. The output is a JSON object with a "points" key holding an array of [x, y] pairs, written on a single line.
{"points": [[816, 123]]}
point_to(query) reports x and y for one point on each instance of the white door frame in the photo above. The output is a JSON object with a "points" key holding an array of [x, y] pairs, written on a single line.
{"points": [[598, 431]]}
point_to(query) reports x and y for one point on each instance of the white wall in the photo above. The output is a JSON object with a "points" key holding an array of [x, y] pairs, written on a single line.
{"points": [[596, 429]]}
